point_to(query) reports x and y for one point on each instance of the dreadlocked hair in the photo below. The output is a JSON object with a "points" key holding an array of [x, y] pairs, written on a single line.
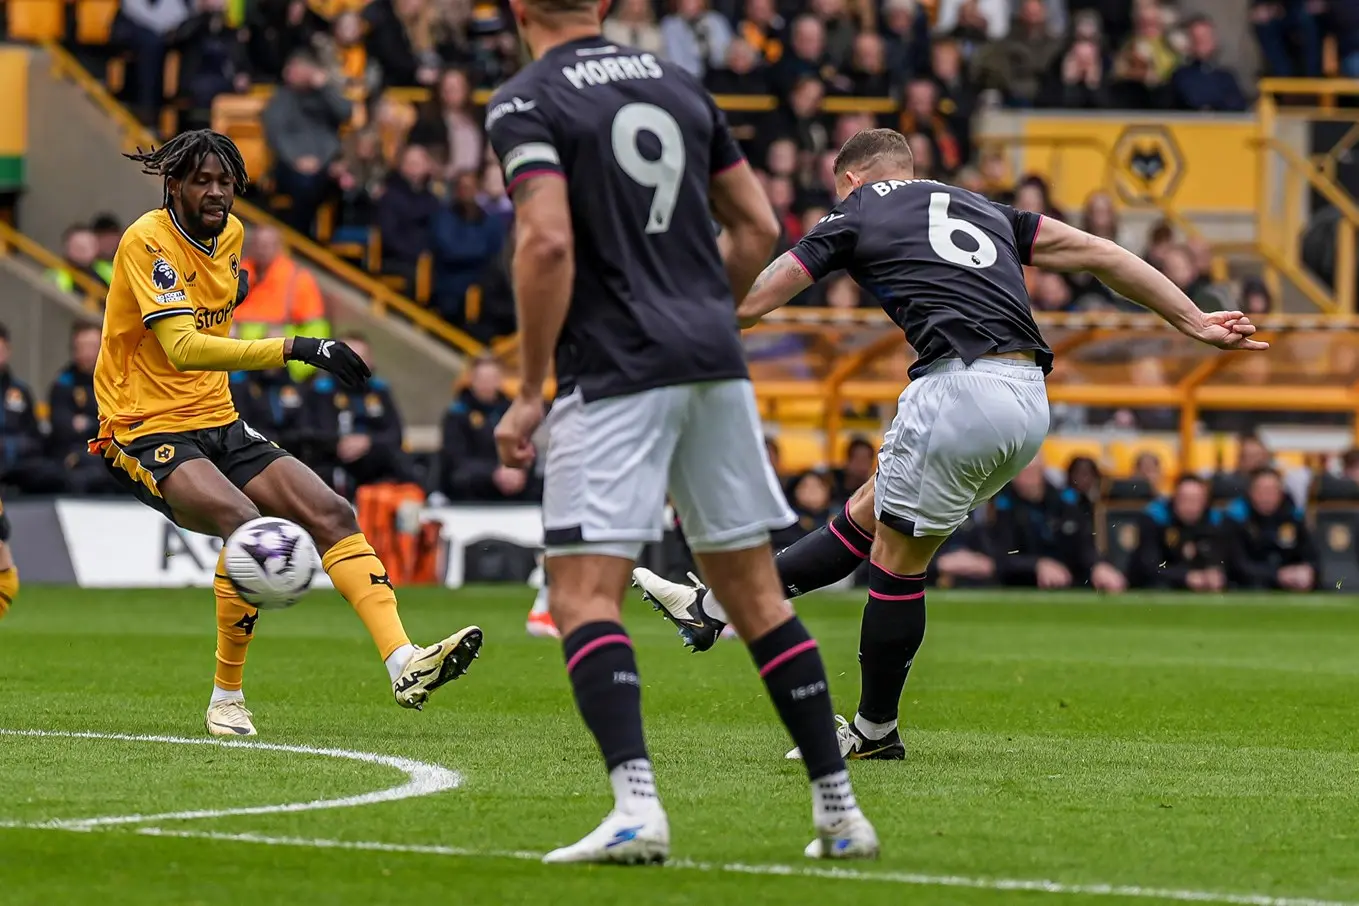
{"points": [[184, 154]]}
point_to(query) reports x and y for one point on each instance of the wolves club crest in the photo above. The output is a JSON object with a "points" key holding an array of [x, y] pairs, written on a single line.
{"points": [[235, 265], [163, 275]]}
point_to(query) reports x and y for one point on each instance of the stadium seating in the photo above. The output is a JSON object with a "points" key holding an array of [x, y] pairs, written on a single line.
{"points": [[36, 20]]}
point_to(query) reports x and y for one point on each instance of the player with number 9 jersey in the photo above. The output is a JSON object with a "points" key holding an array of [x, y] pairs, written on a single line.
{"points": [[637, 142]]}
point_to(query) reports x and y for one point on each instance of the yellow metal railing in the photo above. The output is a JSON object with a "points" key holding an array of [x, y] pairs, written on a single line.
{"points": [[92, 292], [1285, 176], [382, 297]]}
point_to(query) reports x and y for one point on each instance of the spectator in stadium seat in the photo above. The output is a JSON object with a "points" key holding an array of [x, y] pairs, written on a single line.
{"points": [[867, 70], [1044, 537], [922, 151], [284, 299], [141, 28], [801, 118], [1083, 476], [840, 30], [1289, 34], [1255, 298], [921, 114], [342, 52], [695, 36], [302, 126], [1144, 65], [108, 232], [861, 460], [990, 17], [1271, 546], [213, 60], [956, 97], [274, 404], [1200, 83], [465, 239], [743, 73], [447, 126], [74, 416], [763, 29], [809, 495], [362, 180], [1016, 66], [23, 464], [469, 468], [633, 24], [358, 435], [1251, 456], [1112, 19], [80, 254], [1079, 81], [1180, 542], [276, 29], [406, 212], [400, 40], [804, 57], [966, 559], [906, 28]]}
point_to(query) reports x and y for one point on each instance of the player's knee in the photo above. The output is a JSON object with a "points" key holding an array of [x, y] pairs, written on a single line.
{"points": [[331, 520]]}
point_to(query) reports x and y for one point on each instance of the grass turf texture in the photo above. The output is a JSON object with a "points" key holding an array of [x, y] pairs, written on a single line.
{"points": [[1162, 742]]}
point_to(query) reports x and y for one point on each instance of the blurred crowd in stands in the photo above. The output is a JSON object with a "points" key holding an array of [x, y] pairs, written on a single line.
{"points": [[421, 177]]}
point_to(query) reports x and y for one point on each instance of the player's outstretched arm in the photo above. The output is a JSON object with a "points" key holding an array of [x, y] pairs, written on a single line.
{"points": [[189, 350], [776, 286], [748, 222], [1060, 247]]}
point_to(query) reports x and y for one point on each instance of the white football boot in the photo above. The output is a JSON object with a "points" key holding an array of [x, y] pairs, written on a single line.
{"points": [[429, 668], [229, 718], [622, 839], [681, 605], [852, 837]]}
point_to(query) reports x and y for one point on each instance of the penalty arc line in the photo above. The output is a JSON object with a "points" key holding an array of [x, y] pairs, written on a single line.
{"points": [[793, 871], [422, 779]]}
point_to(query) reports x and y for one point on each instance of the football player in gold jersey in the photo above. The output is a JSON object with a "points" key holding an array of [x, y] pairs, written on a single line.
{"points": [[170, 434]]}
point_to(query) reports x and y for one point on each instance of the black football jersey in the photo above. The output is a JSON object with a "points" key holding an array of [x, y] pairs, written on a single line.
{"points": [[637, 141], [944, 263]]}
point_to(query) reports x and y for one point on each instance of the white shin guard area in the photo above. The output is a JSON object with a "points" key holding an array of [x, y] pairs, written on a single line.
{"points": [[423, 779]]}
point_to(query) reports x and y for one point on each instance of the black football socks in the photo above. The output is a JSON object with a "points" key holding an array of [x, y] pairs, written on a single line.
{"points": [[603, 671], [790, 665], [892, 631], [822, 558]]}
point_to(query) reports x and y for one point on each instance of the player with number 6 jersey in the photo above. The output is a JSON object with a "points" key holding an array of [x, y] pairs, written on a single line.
{"points": [[617, 163], [947, 267]]}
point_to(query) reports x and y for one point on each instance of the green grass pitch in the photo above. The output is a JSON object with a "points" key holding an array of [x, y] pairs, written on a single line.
{"points": [[1148, 749]]}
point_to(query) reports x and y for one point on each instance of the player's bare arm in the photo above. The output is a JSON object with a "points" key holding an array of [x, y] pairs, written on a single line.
{"points": [[776, 286], [543, 273], [1060, 247], [740, 205]]}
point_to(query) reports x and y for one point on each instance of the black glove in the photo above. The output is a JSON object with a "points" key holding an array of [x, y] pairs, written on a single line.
{"points": [[242, 287], [332, 356]]}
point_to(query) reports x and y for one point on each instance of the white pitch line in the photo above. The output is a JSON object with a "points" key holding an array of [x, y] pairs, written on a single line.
{"points": [[793, 871], [422, 779]]}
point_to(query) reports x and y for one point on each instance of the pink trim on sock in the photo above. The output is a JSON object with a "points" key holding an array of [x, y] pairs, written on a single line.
{"points": [[877, 565], [857, 528], [615, 639], [787, 656], [916, 596], [845, 541]]}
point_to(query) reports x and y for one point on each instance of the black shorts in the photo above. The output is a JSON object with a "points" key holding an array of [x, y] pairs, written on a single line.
{"points": [[238, 451]]}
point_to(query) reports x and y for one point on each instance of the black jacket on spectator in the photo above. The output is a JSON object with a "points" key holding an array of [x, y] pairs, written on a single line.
{"points": [[1169, 549], [1060, 527], [468, 457], [74, 415], [405, 215], [1261, 545], [211, 56], [389, 44], [273, 404], [22, 463], [273, 38], [337, 412], [1199, 85]]}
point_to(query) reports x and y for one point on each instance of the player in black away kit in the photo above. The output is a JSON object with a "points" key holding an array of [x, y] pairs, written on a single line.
{"points": [[617, 163], [946, 266]]}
